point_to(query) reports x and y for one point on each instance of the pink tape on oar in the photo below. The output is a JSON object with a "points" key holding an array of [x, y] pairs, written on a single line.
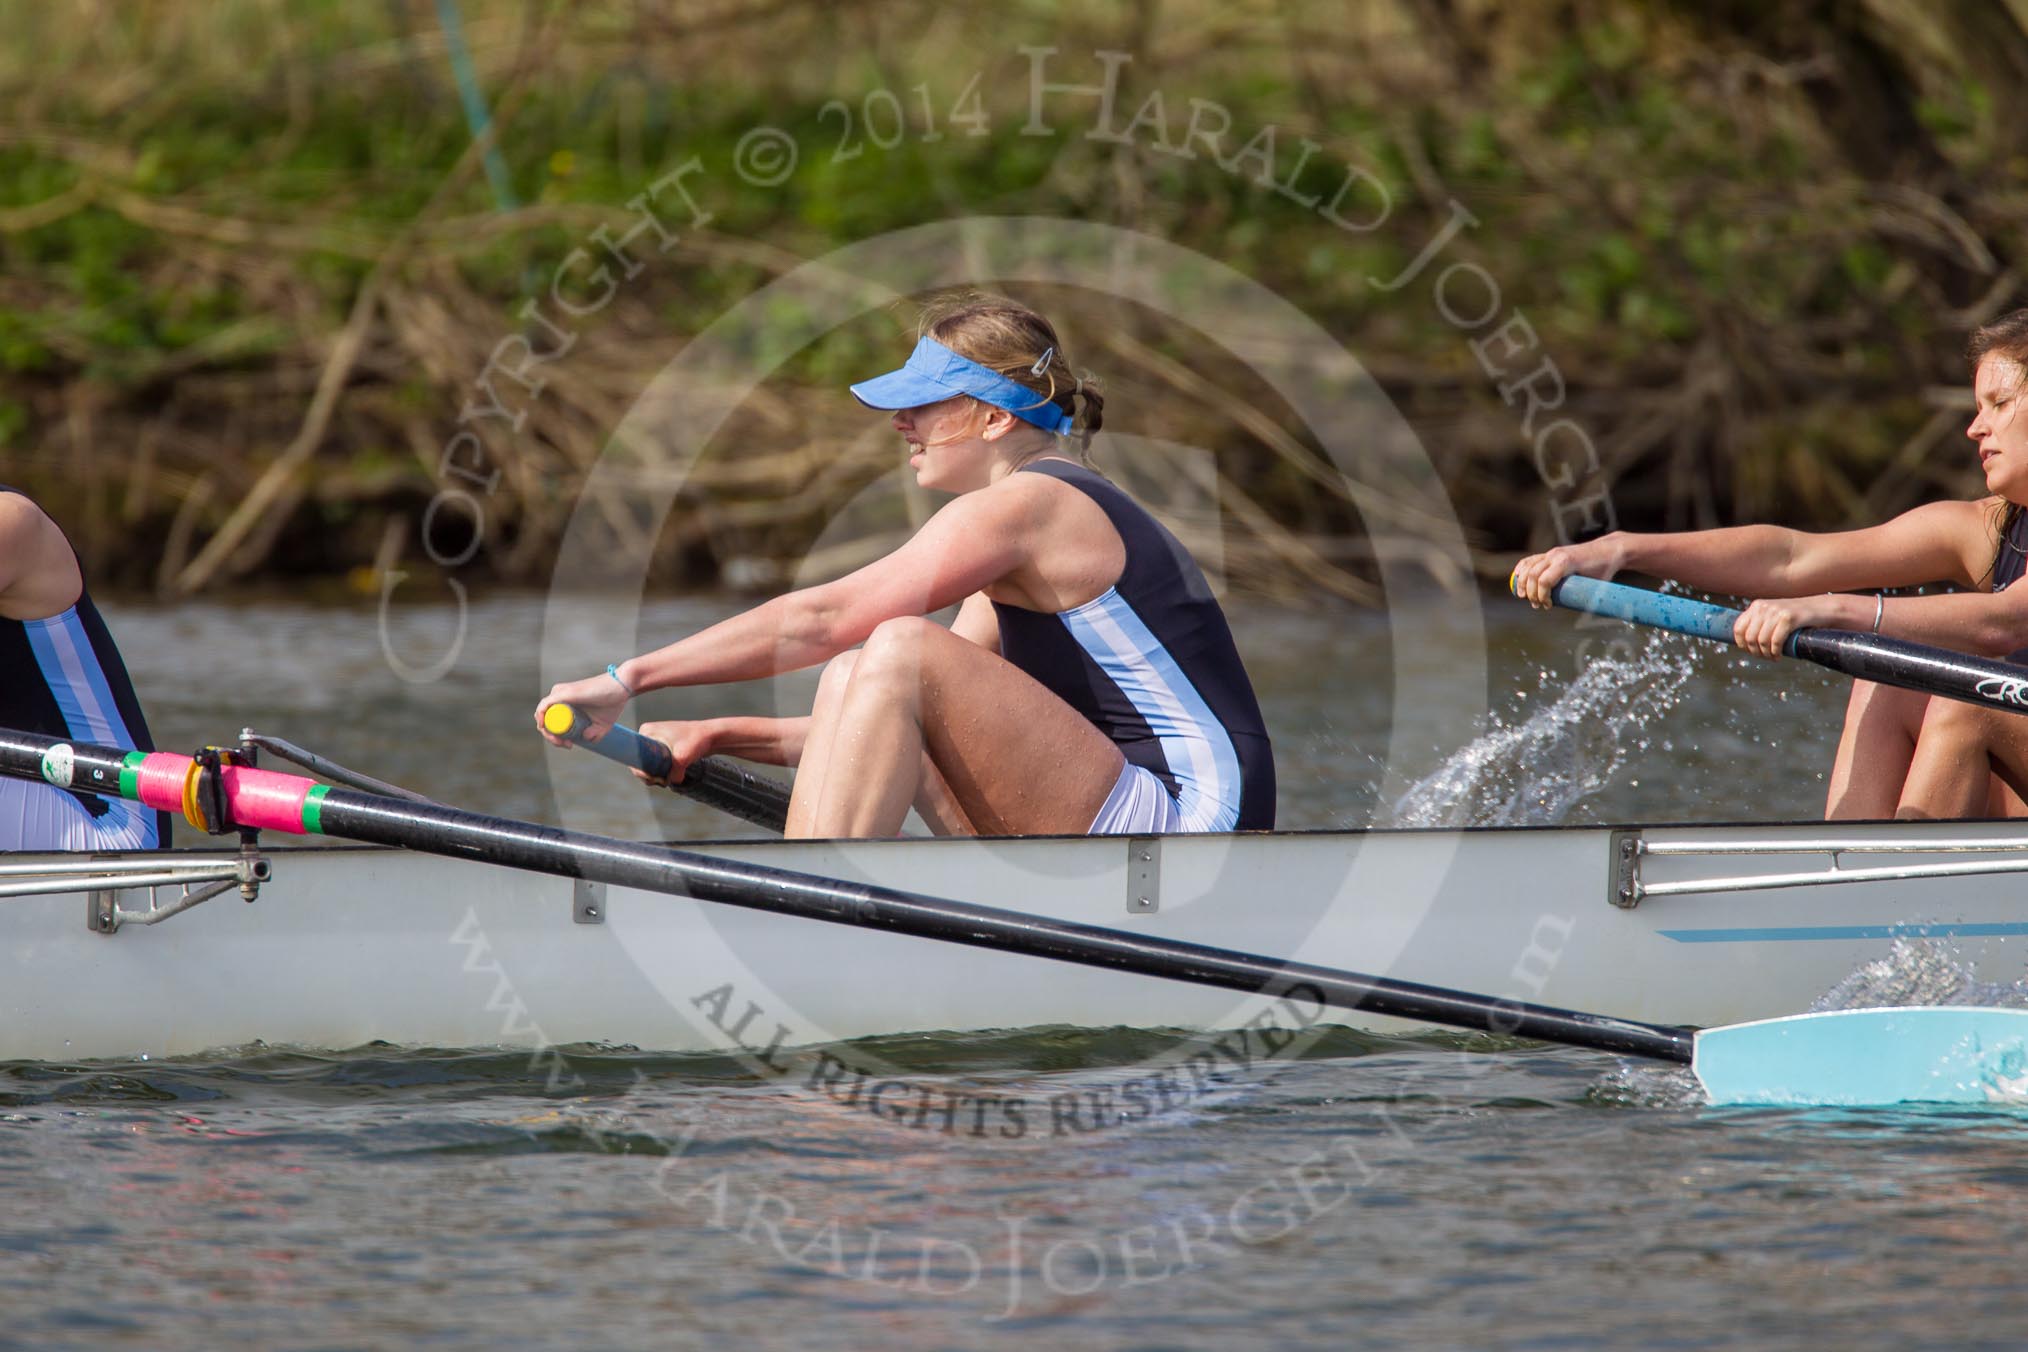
{"points": [[267, 799], [264, 799], [158, 781]]}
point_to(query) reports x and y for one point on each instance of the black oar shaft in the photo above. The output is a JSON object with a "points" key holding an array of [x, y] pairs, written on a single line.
{"points": [[454, 832], [1915, 666]]}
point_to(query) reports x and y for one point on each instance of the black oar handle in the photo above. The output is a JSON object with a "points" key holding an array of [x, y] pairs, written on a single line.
{"points": [[712, 781], [1983, 681]]}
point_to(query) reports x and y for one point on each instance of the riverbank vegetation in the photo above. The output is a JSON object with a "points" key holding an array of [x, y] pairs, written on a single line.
{"points": [[254, 265]]}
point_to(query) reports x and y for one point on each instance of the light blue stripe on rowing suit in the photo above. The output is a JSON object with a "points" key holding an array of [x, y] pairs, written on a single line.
{"points": [[1194, 743], [1978, 930], [70, 665]]}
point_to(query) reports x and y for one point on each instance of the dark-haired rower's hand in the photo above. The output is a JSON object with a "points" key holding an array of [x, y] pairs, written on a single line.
{"points": [[1764, 627], [1534, 578]]}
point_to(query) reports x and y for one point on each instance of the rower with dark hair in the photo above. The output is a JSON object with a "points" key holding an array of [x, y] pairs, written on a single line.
{"points": [[62, 676], [1903, 753]]}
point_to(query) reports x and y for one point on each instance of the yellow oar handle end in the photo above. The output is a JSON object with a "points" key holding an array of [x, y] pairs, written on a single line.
{"points": [[559, 719]]}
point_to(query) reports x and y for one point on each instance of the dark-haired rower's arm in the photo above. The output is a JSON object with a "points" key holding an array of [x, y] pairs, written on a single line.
{"points": [[1937, 542]]}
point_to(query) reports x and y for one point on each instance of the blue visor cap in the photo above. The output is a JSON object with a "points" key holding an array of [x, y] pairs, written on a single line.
{"points": [[934, 373]]}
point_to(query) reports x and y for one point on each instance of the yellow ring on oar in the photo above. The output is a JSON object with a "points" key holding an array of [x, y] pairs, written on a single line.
{"points": [[192, 813], [559, 719]]}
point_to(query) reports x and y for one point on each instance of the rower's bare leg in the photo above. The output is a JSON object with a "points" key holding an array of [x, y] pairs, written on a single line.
{"points": [[2002, 800], [938, 806], [1962, 749], [934, 800], [1874, 752], [1014, 758], [811, 769]]}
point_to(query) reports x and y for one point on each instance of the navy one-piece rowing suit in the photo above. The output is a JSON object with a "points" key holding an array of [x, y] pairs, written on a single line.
{"points": [[1152, 664], [2011, 562], [63, 677], [2012, 559]]}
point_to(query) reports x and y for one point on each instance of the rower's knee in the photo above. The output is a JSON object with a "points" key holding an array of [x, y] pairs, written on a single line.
{"points": [[836, 676], [896, 645], [890, 668], [838, 670], [1955, 724]]}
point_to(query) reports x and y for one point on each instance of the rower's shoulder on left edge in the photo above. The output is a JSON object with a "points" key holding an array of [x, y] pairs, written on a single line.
{"points": [[39, 572]]}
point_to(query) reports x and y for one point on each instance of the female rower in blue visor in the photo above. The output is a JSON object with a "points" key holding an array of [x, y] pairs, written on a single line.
{"points": [[1089, 682]]}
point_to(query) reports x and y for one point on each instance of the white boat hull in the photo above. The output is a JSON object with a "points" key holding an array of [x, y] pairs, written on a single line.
{"points": [[351, 945]]}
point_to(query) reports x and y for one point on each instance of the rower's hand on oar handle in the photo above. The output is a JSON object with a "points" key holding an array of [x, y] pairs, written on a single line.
{"points": [[650, 758], [1765, 626], [686, 742], [1534, 579], [598, 702]]}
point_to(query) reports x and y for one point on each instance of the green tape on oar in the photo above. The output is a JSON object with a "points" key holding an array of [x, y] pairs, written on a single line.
{"points": [[129, 786], [313, 809]]}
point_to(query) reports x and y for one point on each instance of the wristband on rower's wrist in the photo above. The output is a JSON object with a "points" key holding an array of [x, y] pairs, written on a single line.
{"points": [[613, 670]]}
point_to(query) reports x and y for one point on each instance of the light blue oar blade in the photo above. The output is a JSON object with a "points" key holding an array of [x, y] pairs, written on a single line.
{"points": [[1680, 614], [1857, 1057]]}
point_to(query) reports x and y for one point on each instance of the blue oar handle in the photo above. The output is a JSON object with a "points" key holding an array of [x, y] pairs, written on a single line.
{"points": [[712, 781], [1678, 614], [621, 743], [1984, 681]]}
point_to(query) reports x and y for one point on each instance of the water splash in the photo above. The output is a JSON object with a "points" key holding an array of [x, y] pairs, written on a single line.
{"points": [[1646, 1086], [1920, 972], [1536, 770]]}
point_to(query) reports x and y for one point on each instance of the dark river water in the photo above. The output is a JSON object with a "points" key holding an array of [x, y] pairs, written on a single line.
{"points": [[1438, 1192]]}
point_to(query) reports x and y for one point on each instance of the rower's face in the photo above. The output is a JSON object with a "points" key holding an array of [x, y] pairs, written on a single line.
{"points": [[2000, 428], [945, 446]]}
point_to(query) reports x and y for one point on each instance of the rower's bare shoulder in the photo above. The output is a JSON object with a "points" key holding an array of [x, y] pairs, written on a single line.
{"points": [[27, 536], [18, 514], [1043, 497], [1967, 529], [1960, 522], [1009, 507], [1975, 521], [38, 572]]}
